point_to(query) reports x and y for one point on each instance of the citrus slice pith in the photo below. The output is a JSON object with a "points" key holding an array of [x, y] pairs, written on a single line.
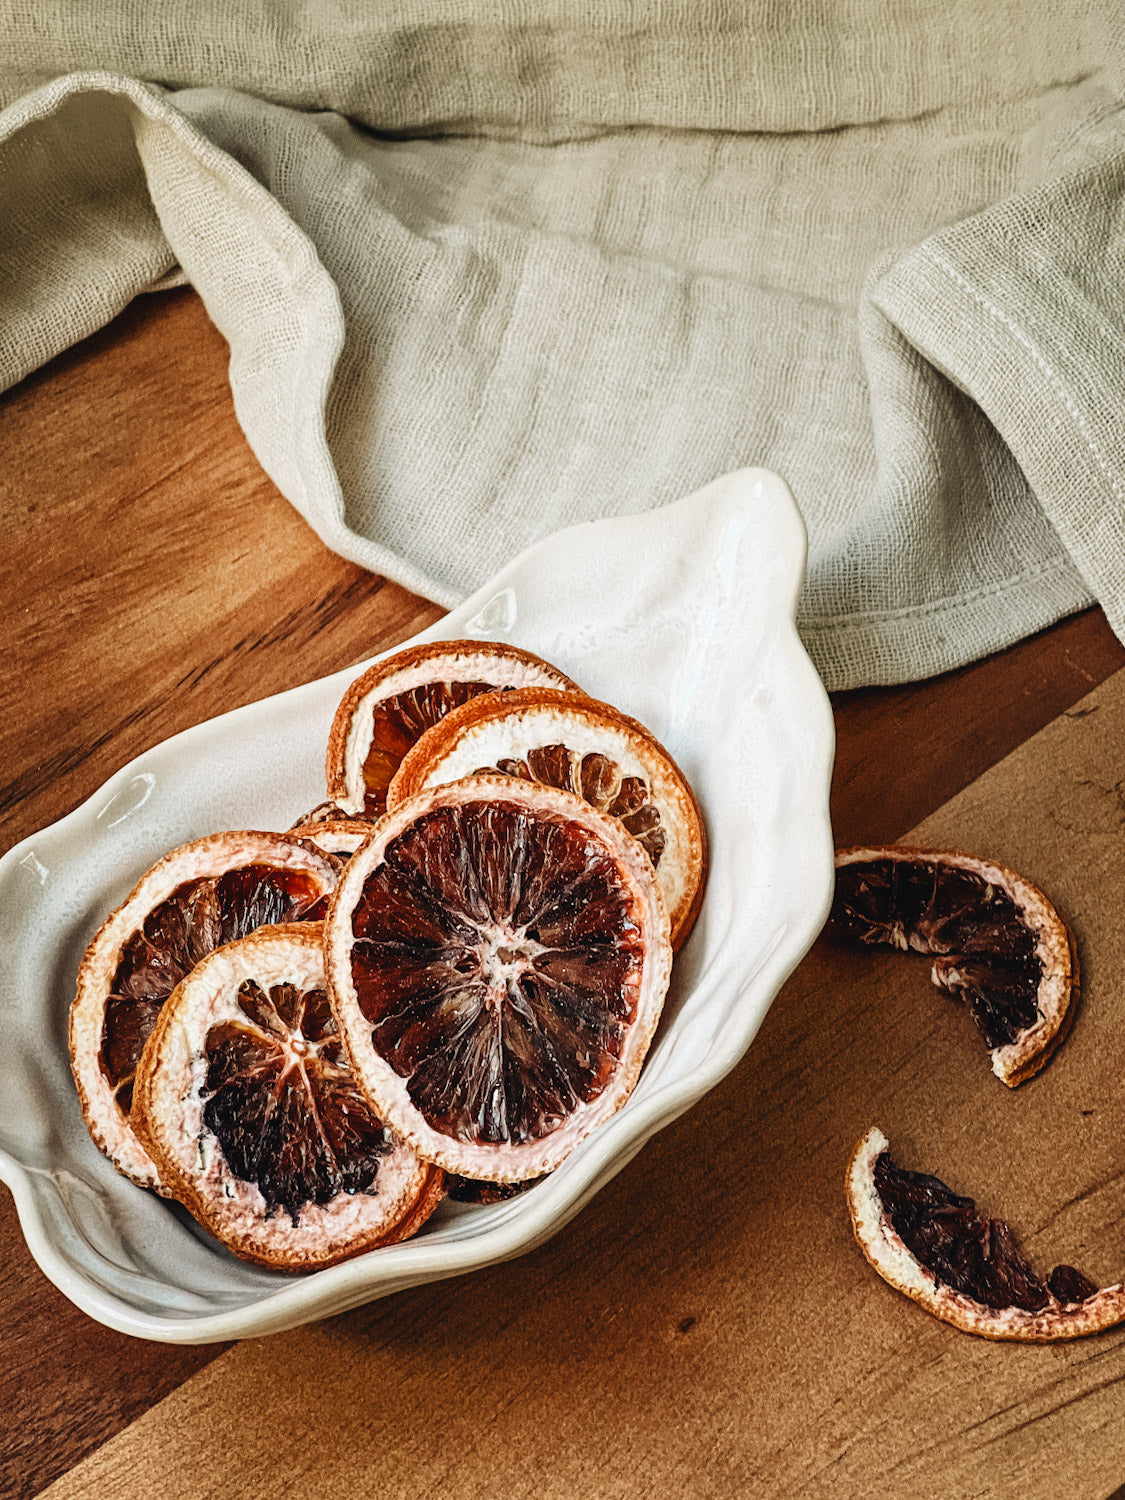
{"points": [[196, 898], [497, 956], [394, 702], [245, 1101], [936, 1246], [582, 746], [996, 941]]}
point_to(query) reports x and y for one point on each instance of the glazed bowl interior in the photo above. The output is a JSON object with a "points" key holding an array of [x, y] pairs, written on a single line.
{"points": [[684, 618]]}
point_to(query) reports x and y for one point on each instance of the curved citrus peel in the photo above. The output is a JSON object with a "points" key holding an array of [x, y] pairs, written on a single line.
{"points": [[582, 746], [966, 913], [389, 706], [497, 956], [323, 812], [102, 1025], [989, 1242], [338, 836], [245, 1058]]}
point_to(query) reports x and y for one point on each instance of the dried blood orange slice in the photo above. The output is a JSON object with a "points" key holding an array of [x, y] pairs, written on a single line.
{"points": [[323, 812], [197, 897], [962, 1266], [997, 942], [497, 956], [245, 1102], [338, 836], [394, 702], [585, 747]]}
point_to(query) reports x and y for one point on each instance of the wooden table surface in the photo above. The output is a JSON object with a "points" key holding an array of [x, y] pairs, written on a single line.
{"points": [[154, 577]]}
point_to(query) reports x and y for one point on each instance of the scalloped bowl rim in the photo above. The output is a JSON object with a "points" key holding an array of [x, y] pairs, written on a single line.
{"points": [[517, 1225]]}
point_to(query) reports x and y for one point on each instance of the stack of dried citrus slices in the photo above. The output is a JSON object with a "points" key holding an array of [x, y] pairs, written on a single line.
{"points": [[447, 975]]}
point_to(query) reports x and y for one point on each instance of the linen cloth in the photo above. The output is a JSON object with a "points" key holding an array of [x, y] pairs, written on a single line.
{"points": [[487, 270]]}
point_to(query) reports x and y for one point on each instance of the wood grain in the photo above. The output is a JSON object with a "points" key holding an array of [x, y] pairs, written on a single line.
{"points": [[154, 577], [707, 1327], [902, 751]]}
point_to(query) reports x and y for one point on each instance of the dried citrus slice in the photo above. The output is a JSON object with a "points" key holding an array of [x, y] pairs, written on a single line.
{"points": [[338, 836], [585, 747], [997, 942], [936, 1246], [394, 702], [497, 956], [323, 812], [197, 897], [245, 1102]]}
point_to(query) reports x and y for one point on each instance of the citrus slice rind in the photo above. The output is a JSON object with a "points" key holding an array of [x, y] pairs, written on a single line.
{"points": [[245, 1064], [497, 956], [389, 706], [323, 812], [887, 1252], [589, 748], [958, 939], [100, 1021], [337, 836]]}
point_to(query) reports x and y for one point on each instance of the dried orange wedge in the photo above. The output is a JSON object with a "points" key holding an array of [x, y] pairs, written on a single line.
{"points": [[585, 747], [497, 957], [196, 898], [996, 941], [387, 709], [245, 1102], [963, 1267]]}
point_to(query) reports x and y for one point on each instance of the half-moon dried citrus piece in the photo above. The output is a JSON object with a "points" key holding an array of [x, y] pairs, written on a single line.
{"points": [[585, 747], [245, 1102], [395, 701], [196, 898], [962, 1266], [996, 941], [497, 956]]}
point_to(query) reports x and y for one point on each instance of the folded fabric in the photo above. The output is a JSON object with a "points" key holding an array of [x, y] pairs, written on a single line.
{"points": [[564, 262]]}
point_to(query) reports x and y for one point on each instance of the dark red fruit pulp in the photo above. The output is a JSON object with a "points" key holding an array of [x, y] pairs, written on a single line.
{"points": [[985, 953], [398, 723], [1068, 1285], [964, 1249], [597, 780], [497, 957], [199, 916], [291, 1122], [472, 1190]]}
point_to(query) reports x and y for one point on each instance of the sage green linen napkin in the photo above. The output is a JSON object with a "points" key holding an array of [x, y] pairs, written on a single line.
{"points": [[568, 260]]}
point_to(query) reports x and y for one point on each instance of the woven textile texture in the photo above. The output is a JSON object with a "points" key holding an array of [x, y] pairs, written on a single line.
{"points": [[488, 270]]}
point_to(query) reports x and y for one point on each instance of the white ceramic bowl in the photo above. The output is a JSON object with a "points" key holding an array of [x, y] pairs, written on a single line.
{"points": [[682, 617]]}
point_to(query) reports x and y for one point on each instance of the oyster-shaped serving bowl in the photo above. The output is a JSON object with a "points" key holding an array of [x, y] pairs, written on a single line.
{"points": [[682, 617]]}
